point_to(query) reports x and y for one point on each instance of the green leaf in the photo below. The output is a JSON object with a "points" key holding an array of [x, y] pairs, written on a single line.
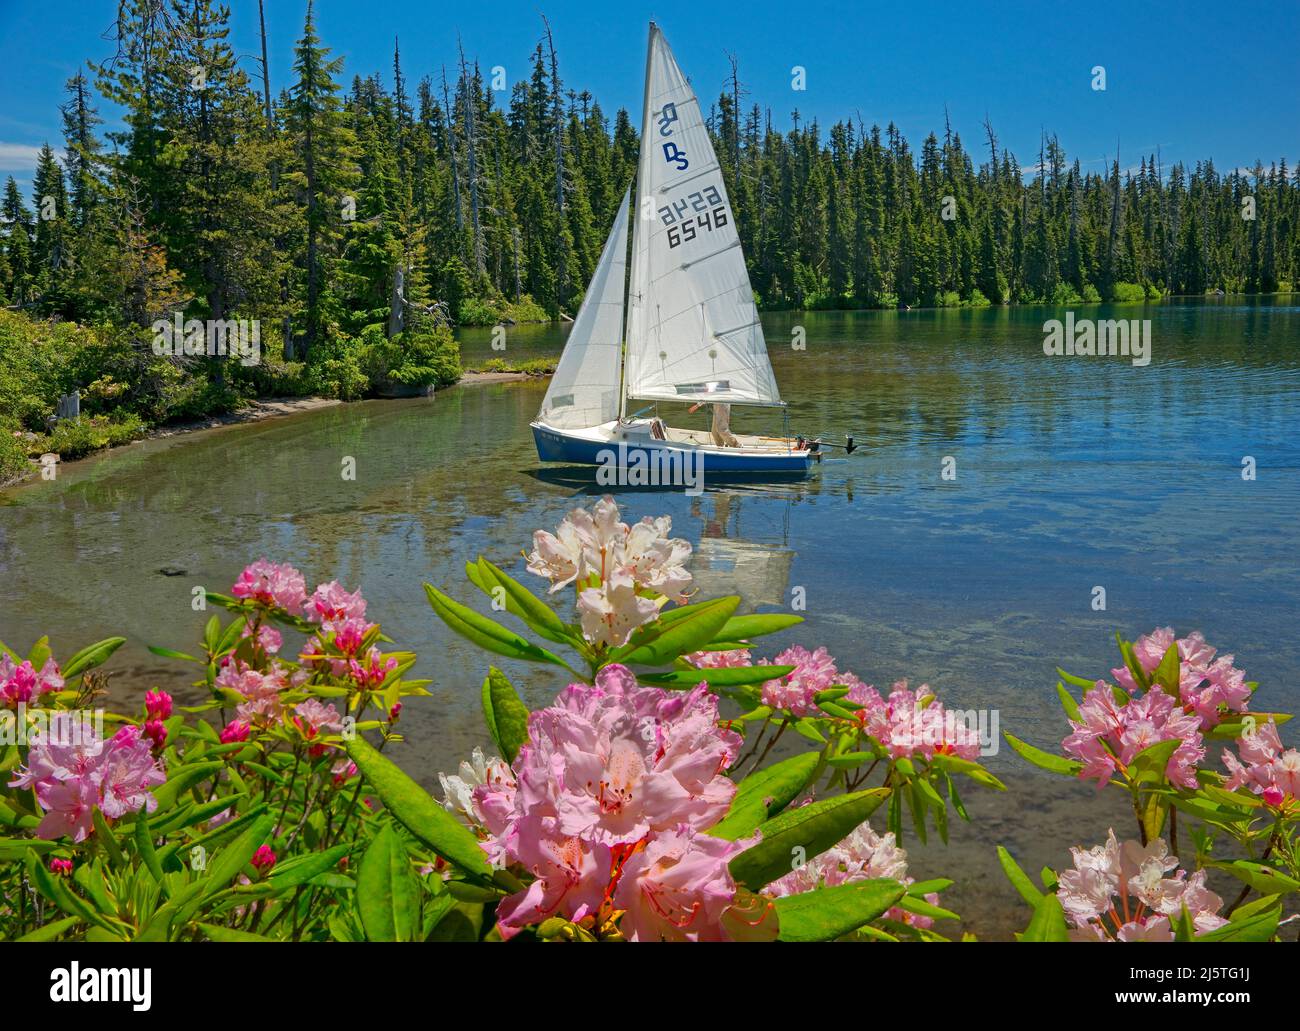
{"points": [[1048, 923], [388, 892], [171, 653], [486, 633], [91, 656], [144, 846], [104, 835], [825, 914], [411, 805], [1018, 878], [1070, 678], [505, 713], [226, 864], [1044, 760], [802, 834], [184, 779], [524, 603], [1150, 764], [725, 676], [230, 934], [742, 628], [1167, 673], [50, 931], [1068, 703], [1263, 879], [1140, 675], [692, 627], [763, 794], [302, 869], [1258, 927]]}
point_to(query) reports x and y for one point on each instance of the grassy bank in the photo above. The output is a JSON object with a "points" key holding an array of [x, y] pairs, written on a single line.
{"points": [[126, 389]]}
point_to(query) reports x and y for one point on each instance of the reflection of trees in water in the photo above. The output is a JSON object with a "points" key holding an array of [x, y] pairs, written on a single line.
{"points": [[725, 563]]}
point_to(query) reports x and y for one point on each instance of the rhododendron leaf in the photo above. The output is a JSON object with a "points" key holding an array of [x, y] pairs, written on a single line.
{"points": [[302, 869], [184, 779], [742, 628], [171, 653], [144, 846], [691, 627], [850, 760], [1150, 764], [1068, 703], [104, 836], [825, 914], [723, 676], [412, 806], [808, 728], [51, 931], [524, 603], [1262, 878], [913, 903], [1070, 678], [916, 806], [91, 656], [969, 768], [17, 848], [487, 633], [1018, 878], [804, 832], [1048, 923], [1257, 927], [226, 865], [1041, 759], [505, 714], [1167, 673], [388, 892], [935, 884], [764, 793], [230, 934], [1134, 667], [1236, 725], [40, 651]]}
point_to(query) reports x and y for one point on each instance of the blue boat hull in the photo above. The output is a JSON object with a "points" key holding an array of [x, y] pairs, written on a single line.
{"points": [[553, 446]]}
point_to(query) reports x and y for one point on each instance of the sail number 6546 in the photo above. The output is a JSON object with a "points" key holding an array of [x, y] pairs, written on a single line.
{"points": [[684, 230]]}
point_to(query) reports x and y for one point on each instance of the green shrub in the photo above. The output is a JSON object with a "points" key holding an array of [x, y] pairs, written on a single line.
{"points": [[977, 299], [1091, 294], [1126, 292], [13, 456], [76, 438], [417, 358]]}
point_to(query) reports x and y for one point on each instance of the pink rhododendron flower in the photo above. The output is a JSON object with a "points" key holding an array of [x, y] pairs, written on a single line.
{"points": [[1264, 766], [280, 586], [263, 859], [268, 638], [21, 682], [61, 867], [331, 604], [1120, 892], [156, 732], [343, 771], [863, 855], [678, 887], [1108, 734], [234, 731], [158, 704], [72, 770], [604, 802], [260, 690], [813, 672], [622, 572], [1207, 685], [732, 659], [313, 716], [371, 672], [913, 723]]}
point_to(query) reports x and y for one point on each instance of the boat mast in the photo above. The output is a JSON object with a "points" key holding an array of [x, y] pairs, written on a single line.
{"points": [[636, 225]]}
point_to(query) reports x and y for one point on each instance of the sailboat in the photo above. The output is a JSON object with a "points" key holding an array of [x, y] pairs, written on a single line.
{"points": [[679, 326]]}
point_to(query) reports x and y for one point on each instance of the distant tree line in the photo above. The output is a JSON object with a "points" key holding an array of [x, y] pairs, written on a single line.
{"points": [[320, 209]]}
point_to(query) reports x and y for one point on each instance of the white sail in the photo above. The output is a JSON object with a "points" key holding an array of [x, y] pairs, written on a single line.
{"points": [[585, 388], [693, 332]]}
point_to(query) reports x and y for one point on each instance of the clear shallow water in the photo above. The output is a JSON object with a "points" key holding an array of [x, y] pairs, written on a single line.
{"points": [[1071, 473]]}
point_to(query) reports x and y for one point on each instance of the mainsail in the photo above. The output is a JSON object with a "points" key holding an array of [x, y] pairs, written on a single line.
{"points": [[693, 332], [585, 388]]}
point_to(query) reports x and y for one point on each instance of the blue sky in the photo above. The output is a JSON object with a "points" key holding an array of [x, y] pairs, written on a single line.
{"points": [[1197, 79]]}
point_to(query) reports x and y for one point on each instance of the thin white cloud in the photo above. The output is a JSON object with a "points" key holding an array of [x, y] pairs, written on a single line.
{"points": [[18, 157]]}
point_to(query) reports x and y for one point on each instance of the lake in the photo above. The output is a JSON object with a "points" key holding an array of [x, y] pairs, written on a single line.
{"points": [[1071, 473]]}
